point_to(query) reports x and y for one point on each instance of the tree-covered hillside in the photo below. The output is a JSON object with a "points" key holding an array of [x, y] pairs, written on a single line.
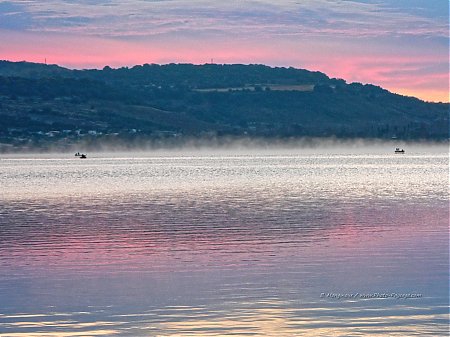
{"points": [[47, 105]]}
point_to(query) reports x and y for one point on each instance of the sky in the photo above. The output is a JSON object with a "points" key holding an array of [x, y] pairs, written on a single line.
{"points": [[401, 45]]}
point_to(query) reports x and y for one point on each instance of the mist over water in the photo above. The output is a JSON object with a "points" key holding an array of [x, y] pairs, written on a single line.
{"points": [[277, 240], [235, 145]]}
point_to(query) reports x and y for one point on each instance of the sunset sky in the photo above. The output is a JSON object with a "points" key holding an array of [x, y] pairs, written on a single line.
{"points": [[401, 45]]}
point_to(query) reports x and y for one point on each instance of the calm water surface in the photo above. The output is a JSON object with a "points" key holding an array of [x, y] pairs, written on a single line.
{"points": [[198, 244]]}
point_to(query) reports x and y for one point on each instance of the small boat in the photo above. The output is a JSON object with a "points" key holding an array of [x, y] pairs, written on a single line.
{"points": [[399, 150], [77, 154], [83, 156]]}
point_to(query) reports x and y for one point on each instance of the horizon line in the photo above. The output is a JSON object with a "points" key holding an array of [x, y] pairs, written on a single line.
{"points": [[101, 68]]}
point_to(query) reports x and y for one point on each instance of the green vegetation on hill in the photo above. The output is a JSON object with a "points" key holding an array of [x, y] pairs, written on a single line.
{"points": [[47, 105]]}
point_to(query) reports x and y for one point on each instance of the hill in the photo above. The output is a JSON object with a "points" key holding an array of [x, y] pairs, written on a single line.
{"points": [[45, 106]]}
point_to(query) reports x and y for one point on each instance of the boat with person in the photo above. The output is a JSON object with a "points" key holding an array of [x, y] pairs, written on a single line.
{"points": [[399, 150]]}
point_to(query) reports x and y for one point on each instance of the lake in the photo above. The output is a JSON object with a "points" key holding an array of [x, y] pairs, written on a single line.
{"points": [[203, 243]]}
